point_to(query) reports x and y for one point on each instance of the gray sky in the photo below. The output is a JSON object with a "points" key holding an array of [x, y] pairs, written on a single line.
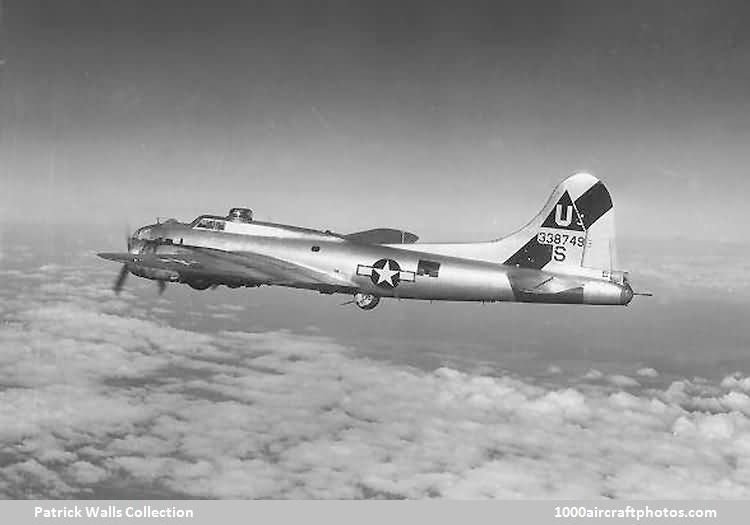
{"points": [[454, 122]]}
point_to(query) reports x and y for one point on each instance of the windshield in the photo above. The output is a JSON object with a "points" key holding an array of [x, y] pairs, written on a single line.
{"points": [[209, 223]]}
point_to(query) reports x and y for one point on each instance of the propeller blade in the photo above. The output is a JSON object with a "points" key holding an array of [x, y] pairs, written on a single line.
{"points": [[121, 277], [162, 286]]}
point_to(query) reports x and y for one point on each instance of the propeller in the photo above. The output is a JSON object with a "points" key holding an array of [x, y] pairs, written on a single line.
{"points": [[119, 283], [121, 277]]}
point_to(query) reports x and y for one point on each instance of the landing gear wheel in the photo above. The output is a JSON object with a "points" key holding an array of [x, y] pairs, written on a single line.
{"points": [[366, 301]]}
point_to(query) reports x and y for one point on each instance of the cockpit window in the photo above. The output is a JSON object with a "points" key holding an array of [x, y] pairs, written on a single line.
{"points": [[210, 224]]}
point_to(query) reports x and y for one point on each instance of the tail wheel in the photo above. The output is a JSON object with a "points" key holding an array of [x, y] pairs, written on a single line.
{"points": [[366, 301]]}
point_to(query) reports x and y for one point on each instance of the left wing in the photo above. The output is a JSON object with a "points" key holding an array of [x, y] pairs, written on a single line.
{"points": [[248, 266]]}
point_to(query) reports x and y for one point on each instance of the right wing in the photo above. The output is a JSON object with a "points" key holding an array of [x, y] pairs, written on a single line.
{"points": [[382, 236]]}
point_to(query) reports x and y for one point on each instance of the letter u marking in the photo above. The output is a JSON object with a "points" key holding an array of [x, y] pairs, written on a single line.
{"points": [[568, 215]]}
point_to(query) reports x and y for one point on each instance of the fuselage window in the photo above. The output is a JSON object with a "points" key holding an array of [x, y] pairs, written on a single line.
{"points": [[315, 248], [428, 268]]}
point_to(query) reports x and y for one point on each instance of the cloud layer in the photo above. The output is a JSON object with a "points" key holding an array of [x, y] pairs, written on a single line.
{"points": [[100, 398]]}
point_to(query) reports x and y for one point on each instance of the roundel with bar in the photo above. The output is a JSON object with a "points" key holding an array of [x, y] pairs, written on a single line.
{"points": [[385, 273]]}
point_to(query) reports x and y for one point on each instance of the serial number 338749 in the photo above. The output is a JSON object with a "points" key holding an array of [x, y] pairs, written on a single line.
{"points": [[561, 239]]}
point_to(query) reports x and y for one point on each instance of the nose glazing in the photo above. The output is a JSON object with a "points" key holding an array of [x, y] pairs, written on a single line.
{"points": [[139, 238], [626, 294], [143, 234]]}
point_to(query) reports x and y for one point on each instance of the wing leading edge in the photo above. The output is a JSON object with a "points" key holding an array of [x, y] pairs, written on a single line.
{"points": [[190, 261]]}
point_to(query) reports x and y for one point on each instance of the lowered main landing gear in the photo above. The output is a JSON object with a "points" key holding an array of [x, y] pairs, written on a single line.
{"points": [[366, 301]]}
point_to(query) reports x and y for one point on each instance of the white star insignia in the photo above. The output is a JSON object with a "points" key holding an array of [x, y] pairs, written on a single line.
{"points": [[385, 274]]}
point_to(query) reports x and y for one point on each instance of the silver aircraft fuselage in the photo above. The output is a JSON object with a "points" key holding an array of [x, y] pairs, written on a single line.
{"points": [[458, 279]]}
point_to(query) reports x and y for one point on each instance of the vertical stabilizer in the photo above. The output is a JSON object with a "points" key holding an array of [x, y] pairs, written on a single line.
{"points": [[574, 229], [574, 233]]}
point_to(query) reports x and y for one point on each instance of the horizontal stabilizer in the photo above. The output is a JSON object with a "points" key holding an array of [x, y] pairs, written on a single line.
{"points": [[382, 236]]}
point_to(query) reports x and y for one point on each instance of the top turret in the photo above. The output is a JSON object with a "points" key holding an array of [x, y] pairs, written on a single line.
{"points": [[240, 215]]}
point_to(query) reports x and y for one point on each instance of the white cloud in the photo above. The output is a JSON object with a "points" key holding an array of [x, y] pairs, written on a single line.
{"points": [[622, 381], [90, 398], [647, 372], [736, 381], [86, 474], [593, 374], [31, 479]]}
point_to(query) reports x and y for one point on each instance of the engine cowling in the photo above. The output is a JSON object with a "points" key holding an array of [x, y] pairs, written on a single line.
{"points": [[199, 284], [153, 273]]}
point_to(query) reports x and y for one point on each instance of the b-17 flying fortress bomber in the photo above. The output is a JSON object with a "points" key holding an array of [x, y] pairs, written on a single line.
{"points": [[564, 255]]}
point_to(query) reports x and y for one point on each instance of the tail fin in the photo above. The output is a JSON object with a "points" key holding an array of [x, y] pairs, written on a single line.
{"points": [[574, 230], [573, 234]]}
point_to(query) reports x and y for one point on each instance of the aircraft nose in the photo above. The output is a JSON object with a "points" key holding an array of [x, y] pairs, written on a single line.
{"points": [[626, 294], [134, 245], [137, 240]]}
